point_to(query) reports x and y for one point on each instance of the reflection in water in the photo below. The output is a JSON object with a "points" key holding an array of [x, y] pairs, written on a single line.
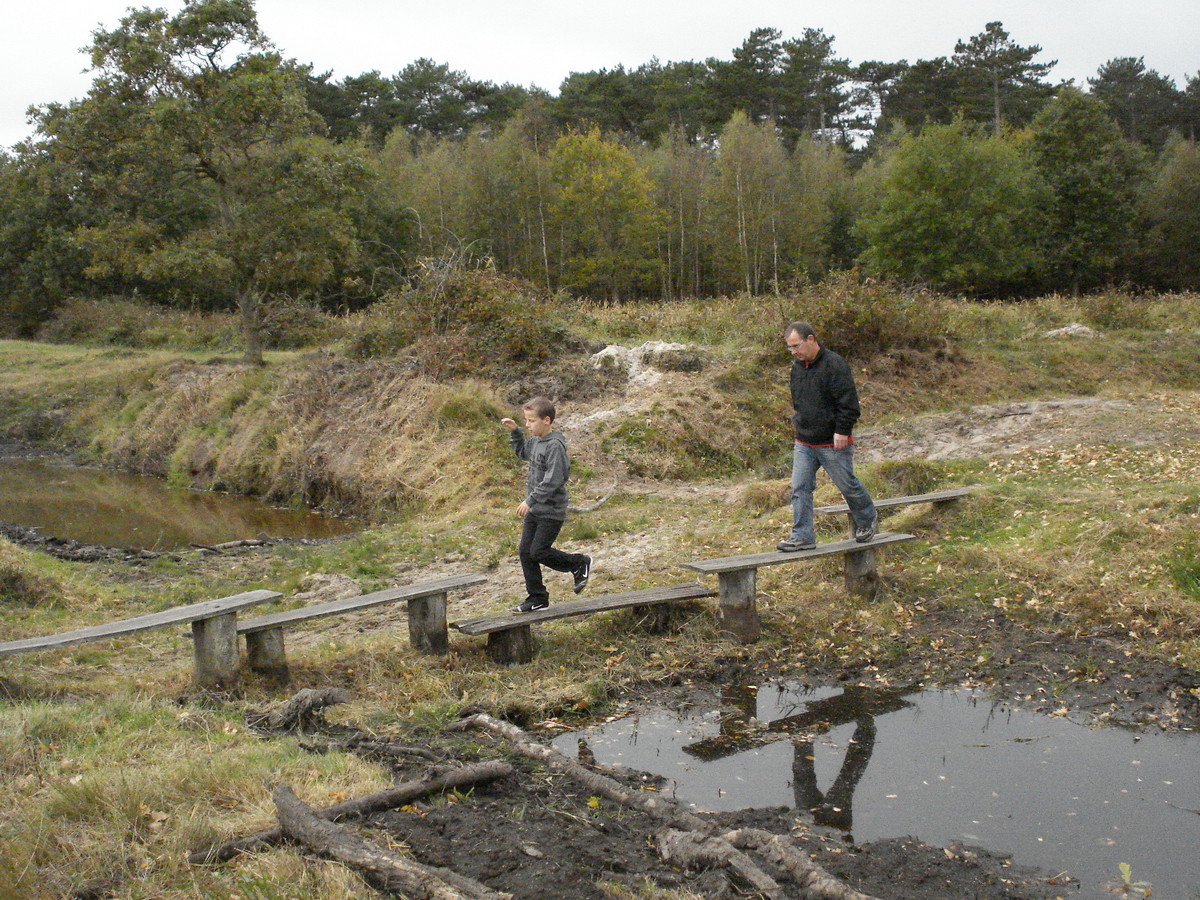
{"points": [[945, 766], [740, 731], [115, 510]]}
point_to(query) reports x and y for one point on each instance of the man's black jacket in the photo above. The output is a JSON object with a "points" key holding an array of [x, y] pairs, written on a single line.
{"points": [[824, 397]]}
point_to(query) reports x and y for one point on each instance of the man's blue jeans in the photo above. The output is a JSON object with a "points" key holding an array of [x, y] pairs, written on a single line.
{"points": [[839, 466]]}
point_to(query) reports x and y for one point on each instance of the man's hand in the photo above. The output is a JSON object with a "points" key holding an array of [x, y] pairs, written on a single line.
{"points": [[523, 509], [841, 441]]}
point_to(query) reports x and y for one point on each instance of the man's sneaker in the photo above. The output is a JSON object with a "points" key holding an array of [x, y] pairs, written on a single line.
{"points": [[790, 546], [582, 574], [531, 604], [864, 533]]}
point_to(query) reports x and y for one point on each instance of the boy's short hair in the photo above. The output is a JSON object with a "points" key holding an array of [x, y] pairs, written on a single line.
{"points": [[801, 328], [542, 407]]}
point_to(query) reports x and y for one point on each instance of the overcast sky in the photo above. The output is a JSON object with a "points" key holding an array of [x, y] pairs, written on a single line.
{"points": [[538, 42]]}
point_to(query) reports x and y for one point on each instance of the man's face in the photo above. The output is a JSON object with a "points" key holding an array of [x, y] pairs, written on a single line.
{"points": [[803, 349], [535, 424]]}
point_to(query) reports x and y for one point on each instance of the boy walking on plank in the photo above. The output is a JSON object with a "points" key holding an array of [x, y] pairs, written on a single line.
{"points": [[544, 508]]}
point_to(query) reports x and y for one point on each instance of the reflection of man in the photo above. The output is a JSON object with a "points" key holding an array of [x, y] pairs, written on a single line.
{"points": [[834, 807], [825, 401]]}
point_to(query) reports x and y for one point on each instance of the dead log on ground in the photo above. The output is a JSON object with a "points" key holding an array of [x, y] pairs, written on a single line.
{"points": [[706, 846], [694, 850], [381, 866], [302, 711], [654, 805], [477, 773], [779, 851]]}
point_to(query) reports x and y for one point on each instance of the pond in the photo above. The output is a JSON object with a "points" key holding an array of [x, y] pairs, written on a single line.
{"points": [[943, 766], [111, 509]]}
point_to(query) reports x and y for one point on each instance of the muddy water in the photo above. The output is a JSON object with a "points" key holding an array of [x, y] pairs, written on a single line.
{"points": [[114, 510], [949, 767]]}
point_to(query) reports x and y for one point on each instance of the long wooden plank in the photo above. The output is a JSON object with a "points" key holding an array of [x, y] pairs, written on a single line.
{"points": [[937, 496], [179, 615], [362, 601], [646, 596], [775, 557]]}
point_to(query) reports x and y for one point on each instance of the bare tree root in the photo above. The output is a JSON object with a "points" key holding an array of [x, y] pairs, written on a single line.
{"points": [[477, 773], [391, 871]]}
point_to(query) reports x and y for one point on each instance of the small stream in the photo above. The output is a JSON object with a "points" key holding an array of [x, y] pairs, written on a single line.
{"points": [[110, 509], [944, 766]]}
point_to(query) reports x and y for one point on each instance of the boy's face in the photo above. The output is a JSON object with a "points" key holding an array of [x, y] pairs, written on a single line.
{"points": [[536, 425]]}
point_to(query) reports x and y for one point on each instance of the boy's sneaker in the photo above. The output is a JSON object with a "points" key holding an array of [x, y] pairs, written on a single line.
{"points": [[790, 546], [582, 574], [864, 533], [532, 604]]}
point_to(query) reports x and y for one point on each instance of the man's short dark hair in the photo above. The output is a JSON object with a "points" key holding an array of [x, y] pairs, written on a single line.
{"points": [[801, 328], [542, 407]]}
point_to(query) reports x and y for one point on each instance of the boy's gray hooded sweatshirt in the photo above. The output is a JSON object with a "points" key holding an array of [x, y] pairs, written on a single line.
{"points": [[549, 469]]}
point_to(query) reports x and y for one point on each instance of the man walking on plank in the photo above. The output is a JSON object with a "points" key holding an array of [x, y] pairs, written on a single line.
{"points": [[825, 401]]}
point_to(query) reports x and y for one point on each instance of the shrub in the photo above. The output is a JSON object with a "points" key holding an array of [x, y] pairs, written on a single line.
{"points": [[862, 317], [19, 584], [454, 320], [127, 323], [115, 321]]}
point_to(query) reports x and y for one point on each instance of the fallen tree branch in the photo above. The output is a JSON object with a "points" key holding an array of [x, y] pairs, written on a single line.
{"points": [[652, 804], [592, 507], [477, 773], [390, 870]]}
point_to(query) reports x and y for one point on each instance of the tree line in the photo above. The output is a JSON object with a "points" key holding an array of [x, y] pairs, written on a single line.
{"points": [[204, 168]]}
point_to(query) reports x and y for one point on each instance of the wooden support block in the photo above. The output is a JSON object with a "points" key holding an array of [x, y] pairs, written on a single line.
{"points": [[511, 646], [215, 651], [738, 610], [427, 623], [265, 653], [862, 576]]}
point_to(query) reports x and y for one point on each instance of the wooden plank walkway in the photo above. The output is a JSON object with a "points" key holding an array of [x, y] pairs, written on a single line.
{"points": [[214, 634], [737, 577], [937, 497], [426, 620], [509, 637]]}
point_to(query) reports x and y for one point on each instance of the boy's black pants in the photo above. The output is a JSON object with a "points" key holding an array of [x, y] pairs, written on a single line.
{"points": [[537, 550]]}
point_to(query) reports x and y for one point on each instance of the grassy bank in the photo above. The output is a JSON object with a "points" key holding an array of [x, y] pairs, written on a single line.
{"points": [[114, 768]]}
